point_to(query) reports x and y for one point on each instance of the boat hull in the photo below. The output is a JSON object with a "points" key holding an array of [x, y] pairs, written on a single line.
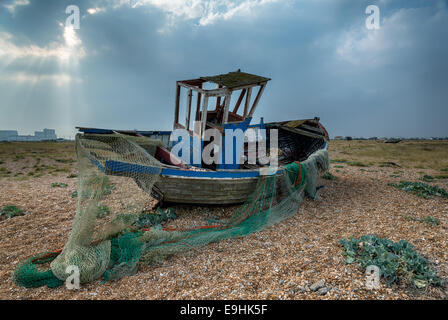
{"points": [[297, 141], [205, 191]]}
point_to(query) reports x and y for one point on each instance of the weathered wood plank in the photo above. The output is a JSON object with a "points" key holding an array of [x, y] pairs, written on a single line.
{"points": [[176, 108], [187, 120], [208, 191], [240, 99], [247, 104], [226, 108], [257, 99]]}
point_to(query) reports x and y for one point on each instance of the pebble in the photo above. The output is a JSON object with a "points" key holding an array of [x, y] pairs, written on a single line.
{"points": [[323, 291], [317, 285], [300, 289]]}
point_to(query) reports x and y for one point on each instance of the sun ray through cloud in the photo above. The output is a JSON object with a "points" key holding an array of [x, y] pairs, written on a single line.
{"points": [[66, 53]]}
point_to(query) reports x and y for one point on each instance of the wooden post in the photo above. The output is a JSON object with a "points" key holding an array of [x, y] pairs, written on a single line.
{"points": [[240, 99], [218, 99], [176, 108], [198, 105], [204, 115], [226, 108], [257, 99], [246, 106], [190, 94]]}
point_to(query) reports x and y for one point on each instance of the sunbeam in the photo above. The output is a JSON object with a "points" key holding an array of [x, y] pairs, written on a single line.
{"points": [[31, 78]]}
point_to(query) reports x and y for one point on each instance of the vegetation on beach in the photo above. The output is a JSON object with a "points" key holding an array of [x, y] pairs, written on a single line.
{"points": [[10, 212], [421, 189], [428, 220], [58, 185], [329, 176], [397, 261]]}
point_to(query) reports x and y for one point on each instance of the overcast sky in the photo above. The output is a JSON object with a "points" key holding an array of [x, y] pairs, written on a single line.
{"points": [[118, 70]]}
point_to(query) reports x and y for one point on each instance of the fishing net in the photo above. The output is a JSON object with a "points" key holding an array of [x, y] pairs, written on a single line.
{"points": [[28, 275], [116, 228]]}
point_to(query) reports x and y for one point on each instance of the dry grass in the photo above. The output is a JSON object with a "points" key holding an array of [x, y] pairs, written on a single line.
{"points": [[25, 160], [407, 154], [277, 263]]}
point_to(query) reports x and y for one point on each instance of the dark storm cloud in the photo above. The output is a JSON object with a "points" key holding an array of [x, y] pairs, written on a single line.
{"points": [[322, 59]]}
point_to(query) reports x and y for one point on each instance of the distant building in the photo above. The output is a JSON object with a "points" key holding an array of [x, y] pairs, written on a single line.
{"points": [[13, 135], [338, 138], [8, 135], [46, 134]]}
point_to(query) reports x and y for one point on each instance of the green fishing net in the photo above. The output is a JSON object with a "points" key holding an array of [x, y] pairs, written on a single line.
{"points": [[115, 228], [28, 275]]}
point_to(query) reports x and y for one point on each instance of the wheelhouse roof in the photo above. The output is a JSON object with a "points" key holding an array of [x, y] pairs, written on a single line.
{"points": [[231, 80], [236, 79]]}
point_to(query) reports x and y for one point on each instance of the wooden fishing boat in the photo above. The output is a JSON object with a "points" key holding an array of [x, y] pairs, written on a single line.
{"points": [[226, 183]]}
